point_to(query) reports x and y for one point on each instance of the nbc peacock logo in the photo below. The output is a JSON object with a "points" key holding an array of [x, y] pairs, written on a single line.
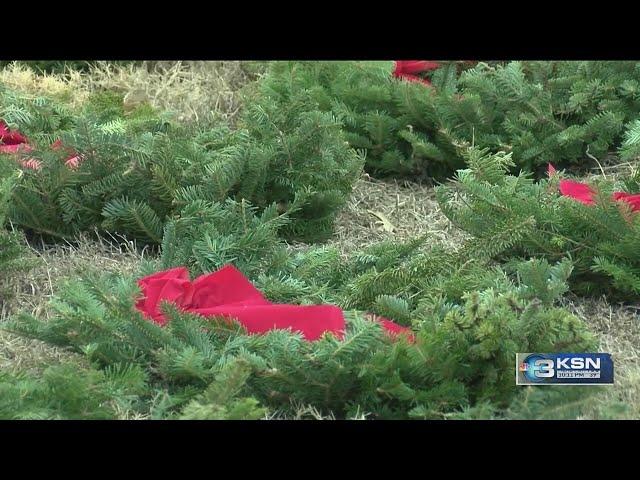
{"points": [[537, 368]]}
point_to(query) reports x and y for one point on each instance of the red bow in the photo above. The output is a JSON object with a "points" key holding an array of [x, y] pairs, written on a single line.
{"points": [[15, 142], [9, 138], [584, 193], [632, 199], [409, 70], [228, 293]]}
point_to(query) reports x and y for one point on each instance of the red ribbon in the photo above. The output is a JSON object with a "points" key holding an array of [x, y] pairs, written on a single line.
{"points": [[409, 70], [228, 293], [584, 193], [15, 142]]}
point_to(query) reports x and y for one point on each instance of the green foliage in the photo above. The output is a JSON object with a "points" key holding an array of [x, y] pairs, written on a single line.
{"points": [[219, 402], [295, 151], [630, 147], [139, 168], [206, 236], [549, 111], [540, 111], [113, 178], [469, 319], [39, 118], [210, 196], [549, 403], [8, 178], [11, 252], [512, 217], [70, 392], [397, 123]]}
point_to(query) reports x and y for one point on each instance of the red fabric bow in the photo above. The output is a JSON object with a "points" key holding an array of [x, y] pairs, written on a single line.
{"points": [[10, 138], [584, 193], [409, 70], [15, 142], [578, 191], [633, 199], [228, 293]]}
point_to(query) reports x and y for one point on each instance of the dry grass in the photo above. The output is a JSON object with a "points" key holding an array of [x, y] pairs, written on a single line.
{"points": [[409, 208], [25, 80], [618, 328], [609, 168], [31, 292], [191, 90]]}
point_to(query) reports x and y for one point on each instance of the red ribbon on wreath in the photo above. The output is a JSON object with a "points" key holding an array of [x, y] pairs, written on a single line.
{"points": [[584, 193], [411, 69], [14, 142], [229, 294]]}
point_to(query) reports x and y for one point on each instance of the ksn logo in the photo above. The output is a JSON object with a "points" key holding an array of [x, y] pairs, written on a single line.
{"points": [[564, 368]]}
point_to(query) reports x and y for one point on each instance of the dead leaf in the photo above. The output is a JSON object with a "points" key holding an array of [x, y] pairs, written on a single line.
{"points": [[387, 226]]}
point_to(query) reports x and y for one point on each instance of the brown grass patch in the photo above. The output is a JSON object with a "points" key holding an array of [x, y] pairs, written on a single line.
{"points": [[618, 329], [410, 209], [31, 292], [192, 90], [23, 79]]}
